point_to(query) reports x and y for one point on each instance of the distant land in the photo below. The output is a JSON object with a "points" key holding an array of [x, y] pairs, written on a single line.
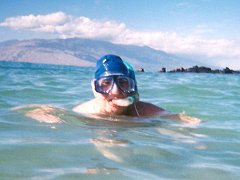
{"points": [[85, 52]]}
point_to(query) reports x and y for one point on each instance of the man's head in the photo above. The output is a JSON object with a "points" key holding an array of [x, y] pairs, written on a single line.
{"points": [[114, 79]]}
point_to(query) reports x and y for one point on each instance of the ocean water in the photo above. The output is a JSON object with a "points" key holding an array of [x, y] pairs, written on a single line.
{"points": [[130, 148]]}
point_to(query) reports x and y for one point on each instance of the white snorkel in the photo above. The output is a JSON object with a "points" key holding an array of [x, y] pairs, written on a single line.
{"points": [[124, 102]]}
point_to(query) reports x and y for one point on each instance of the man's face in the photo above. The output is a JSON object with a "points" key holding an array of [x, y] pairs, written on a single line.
{"points": [[113, 91]]}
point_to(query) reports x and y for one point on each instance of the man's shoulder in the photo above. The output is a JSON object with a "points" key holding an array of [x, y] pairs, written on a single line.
{"points": [[148, 109], [85, 107], [148, 105]]}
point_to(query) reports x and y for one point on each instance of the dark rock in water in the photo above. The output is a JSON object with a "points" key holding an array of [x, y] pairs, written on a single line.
{"points": [[178, 70], [163, 70], [140, 70], [227, 71], [202, 69], [217, 71]]}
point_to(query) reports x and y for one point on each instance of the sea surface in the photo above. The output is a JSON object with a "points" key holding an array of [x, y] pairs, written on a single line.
{"points": [[122, 147]]}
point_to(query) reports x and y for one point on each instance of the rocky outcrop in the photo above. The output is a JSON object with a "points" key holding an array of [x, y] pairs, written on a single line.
{"points": [[201, 69], [140, 70], [163, 70]]}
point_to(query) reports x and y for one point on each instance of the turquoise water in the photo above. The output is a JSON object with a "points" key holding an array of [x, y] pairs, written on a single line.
{"points": [[151, 148]]}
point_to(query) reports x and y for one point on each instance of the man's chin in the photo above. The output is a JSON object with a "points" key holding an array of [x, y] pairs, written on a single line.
{"points": [[113, 105], [114, 109]]}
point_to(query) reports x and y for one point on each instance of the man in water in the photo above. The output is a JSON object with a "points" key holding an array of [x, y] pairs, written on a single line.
{"points": [[116, 93]]}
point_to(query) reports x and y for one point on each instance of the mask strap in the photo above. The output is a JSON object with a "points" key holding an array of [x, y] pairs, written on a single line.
{"points": [[136, 109]]}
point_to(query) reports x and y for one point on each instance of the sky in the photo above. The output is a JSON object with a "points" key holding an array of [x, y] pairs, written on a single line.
{"points": [[207, 30]]}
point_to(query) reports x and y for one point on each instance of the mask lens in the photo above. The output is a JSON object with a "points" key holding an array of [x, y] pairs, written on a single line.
{"points": [[126, 84], [104, 85]]}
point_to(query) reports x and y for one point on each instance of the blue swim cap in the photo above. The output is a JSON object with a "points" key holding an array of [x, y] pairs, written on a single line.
{"points": [[109, 65], [112, 65]]}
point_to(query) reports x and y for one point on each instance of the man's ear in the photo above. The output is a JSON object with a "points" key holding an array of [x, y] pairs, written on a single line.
{"points": [[96, 94]]}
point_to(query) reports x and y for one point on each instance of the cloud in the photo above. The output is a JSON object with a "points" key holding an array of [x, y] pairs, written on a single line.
{"points": [[183, 5], [67, 26], [32, 22], [202, 29]]}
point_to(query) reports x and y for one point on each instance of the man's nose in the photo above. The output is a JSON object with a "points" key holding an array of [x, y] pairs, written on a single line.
{"points": [[115, 89]]}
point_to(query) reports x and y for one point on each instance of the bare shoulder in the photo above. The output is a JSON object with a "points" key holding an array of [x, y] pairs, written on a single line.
{"points": [[148, 109], [86, 107]]}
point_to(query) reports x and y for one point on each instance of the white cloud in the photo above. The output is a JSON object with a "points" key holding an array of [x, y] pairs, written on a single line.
{"points": [[202, 29], [67, 26], [183, 4], [32, 22]]}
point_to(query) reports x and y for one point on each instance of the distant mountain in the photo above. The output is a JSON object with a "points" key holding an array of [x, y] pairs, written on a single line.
{"points": [[84, 52]]}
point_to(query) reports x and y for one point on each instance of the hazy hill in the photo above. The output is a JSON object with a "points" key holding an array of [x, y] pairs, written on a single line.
{"points": [[83, 52]]}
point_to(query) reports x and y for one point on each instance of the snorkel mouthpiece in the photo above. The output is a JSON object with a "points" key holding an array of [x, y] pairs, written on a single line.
{"points": [[124, 102]]}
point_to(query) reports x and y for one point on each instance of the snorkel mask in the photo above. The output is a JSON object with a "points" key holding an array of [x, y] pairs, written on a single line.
{"points": [[112, 69], [104, 85]]}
